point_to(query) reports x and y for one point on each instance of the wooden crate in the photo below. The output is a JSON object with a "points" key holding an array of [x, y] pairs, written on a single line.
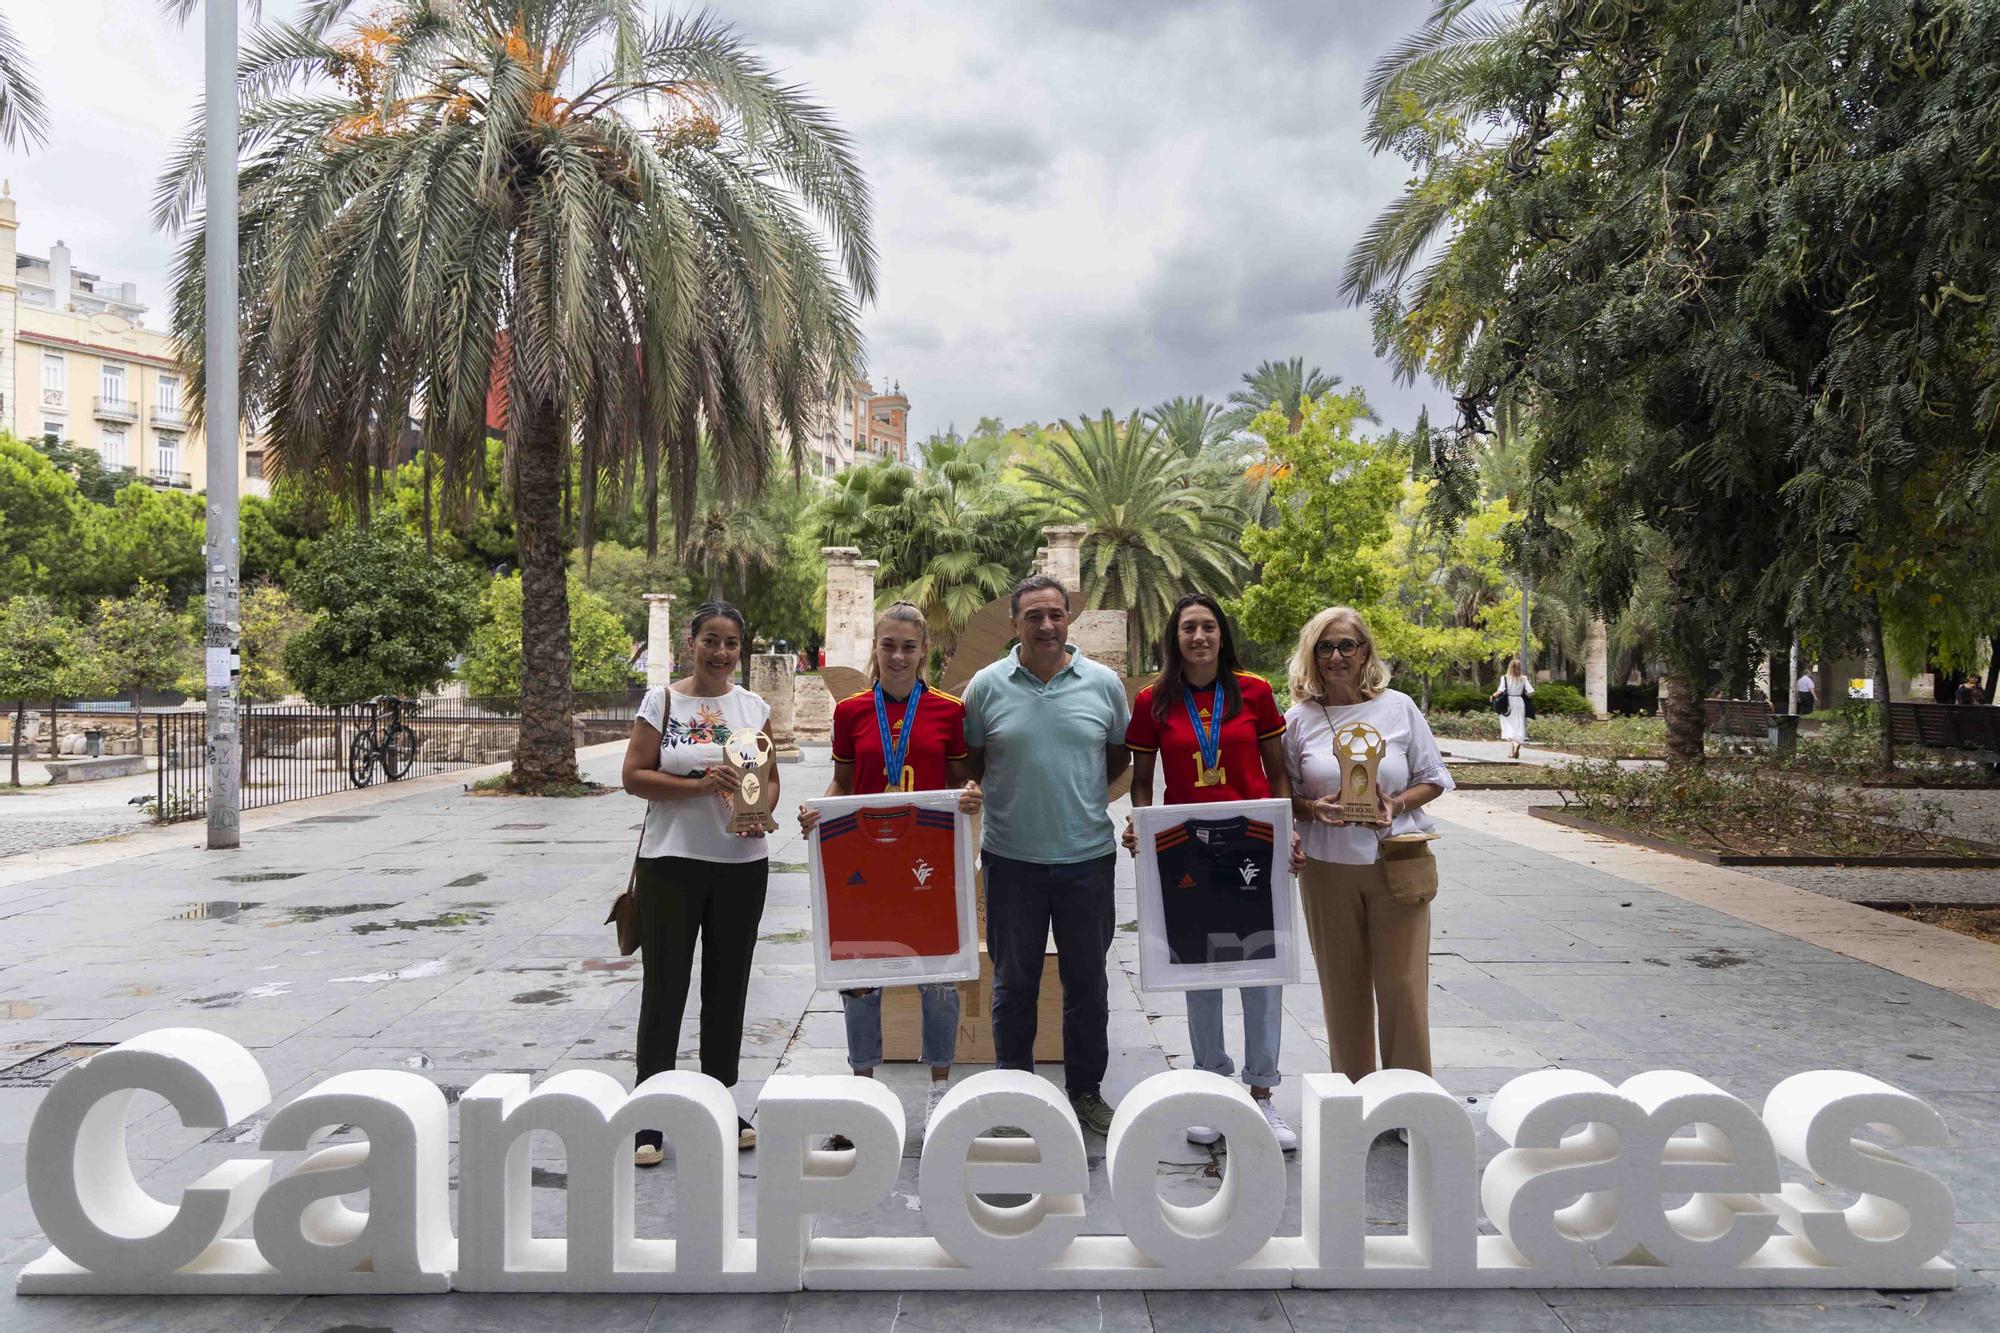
{"points": [[902, 1017]]}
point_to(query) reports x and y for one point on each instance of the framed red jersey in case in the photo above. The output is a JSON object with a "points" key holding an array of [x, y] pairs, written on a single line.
{"points": [[1216, 902], [892, 890]]}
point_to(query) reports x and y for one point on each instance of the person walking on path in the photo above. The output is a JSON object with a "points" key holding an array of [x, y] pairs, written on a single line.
{"points": [[1808, 693], [899, 735], [1045, 730], [1370, 934], [1207, 731], [1516, 689], [697, 881]]}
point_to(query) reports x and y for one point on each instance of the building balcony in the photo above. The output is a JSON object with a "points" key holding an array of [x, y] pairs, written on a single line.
{"points": [[175, 481], [114, 409], [169, 418]]}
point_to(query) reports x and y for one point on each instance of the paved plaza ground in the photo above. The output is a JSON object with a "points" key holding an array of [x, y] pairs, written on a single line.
{"points": [[423, 928]]}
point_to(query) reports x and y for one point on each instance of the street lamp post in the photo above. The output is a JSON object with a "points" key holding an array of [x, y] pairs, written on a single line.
{"points": [[222, 628]]}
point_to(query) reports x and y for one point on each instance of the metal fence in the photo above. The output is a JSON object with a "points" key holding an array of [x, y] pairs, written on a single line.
{"points": [[291, 752]]}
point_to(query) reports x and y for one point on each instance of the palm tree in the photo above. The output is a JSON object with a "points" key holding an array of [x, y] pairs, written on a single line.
{"points": [[23, 117], [1192, 425], [950, 538], [1279, 384], [1150, 535], [634, 262]]}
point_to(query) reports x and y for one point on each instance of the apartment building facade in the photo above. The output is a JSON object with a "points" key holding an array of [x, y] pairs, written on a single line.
{"points": [[78, 364]]}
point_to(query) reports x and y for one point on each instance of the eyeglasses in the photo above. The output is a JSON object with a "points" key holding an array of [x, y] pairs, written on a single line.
{"points": [[1345, 647]]}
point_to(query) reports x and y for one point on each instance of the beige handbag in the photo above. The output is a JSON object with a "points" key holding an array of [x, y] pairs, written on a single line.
{"points": [[1410, 868]]}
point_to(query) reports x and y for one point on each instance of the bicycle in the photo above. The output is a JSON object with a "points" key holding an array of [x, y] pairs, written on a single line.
{"points": [[395, 746]]}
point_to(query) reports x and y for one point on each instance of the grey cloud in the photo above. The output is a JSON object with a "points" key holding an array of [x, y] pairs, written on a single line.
{"points": [[994, 162]]}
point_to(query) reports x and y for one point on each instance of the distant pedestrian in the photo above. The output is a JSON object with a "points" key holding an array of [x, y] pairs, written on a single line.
{"points": [[899, 735], [1808, 694], [697, 881], [1045, 727], [1515, 688], [1968, 693]]}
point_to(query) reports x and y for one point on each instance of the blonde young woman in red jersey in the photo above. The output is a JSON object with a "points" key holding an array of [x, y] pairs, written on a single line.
{"points": [[867, 729]]}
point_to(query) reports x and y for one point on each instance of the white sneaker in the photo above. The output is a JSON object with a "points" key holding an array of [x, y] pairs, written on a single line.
{"points": [[1202, 1134], [1287, 1139], [939, 1087]]}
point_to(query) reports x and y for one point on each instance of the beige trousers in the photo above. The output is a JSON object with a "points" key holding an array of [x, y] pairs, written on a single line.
{"points": [[1372, 952]]}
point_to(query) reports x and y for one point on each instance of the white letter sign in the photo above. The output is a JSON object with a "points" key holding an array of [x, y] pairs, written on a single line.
{"points": [[1580, 1194]]}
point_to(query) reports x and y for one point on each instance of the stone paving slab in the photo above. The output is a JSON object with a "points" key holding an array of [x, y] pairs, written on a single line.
{"points": [[430, 935]]}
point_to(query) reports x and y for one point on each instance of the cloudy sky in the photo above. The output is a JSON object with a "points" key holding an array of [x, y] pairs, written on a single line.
{"points": [[1078, 203]]}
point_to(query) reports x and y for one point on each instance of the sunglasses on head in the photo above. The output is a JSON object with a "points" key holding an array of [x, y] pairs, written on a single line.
{"points": [[1345, 647]]}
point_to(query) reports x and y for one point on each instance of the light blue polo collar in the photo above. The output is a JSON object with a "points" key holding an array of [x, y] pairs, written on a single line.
{"points": [[1075, 656]]}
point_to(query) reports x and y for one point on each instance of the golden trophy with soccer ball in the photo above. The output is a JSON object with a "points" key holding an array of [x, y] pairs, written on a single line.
{"points": [[1359, 748]]}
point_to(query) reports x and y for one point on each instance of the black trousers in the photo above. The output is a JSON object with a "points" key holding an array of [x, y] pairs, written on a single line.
{"points": [[1025, 904], [682, 900]]}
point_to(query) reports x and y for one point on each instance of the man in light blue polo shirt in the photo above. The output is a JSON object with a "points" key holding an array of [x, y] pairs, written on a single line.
{"points": [[1046, 729]]}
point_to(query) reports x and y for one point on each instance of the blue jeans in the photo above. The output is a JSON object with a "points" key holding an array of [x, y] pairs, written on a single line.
{"points": [[1263, 1018], [1025, 902], [863, 1010]]}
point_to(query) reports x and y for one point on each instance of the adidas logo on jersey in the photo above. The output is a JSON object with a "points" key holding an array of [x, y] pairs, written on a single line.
{"points": [[1187, 882], [855, 879]]}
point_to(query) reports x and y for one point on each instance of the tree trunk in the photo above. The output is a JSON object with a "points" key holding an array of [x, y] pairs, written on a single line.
{"points": [[55, 744], [427, 503], [20, 725], [1135, 645], [1876, 642], [546, 751], [1681, 706], [1993, 668]]}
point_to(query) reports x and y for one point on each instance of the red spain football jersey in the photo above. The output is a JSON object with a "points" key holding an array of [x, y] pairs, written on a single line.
{"points": [[1173, 739], [939, 738], [891, 883]]}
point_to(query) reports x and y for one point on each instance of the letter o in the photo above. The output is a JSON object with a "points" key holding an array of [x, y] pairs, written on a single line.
{"points": [[1239, 1221]]}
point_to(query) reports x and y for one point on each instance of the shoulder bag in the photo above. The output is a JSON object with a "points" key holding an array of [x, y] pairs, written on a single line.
{"points": [[625, 907]]}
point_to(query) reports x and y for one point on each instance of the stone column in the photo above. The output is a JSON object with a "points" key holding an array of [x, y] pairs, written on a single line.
{"points": [[772, 676], [659, 639], [1064, 561], [1597, 667], [850, 606]]}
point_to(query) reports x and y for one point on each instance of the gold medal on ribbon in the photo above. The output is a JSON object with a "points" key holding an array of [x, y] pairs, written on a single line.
{"points": [[1204, 776]]}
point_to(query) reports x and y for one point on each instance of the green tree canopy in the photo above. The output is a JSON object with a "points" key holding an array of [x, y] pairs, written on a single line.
{"points": [[1332, 495], [388, 619], [38, 521], [602, 650], [143, 536], [140, 642], [41, 653]]}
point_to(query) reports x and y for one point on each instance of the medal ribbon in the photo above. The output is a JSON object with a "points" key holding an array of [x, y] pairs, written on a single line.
{"points": [[894, 751], [1210, 740]]}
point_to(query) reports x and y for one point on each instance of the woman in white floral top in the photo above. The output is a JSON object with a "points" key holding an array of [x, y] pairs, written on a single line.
{"points": [[697, 880]]}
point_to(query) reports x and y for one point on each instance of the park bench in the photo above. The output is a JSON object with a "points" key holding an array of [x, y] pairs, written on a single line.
{"points": [[1971, 728], [1751, 720]]}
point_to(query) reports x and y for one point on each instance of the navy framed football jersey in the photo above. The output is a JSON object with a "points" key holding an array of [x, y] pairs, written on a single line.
{"points": [[1217, 906]]}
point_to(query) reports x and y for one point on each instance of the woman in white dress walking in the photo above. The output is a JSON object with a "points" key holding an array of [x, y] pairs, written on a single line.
{"points": [[1515, 687]]}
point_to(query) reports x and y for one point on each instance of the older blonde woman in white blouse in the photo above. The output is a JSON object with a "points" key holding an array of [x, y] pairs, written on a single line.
{"points": [[1367, 913]]}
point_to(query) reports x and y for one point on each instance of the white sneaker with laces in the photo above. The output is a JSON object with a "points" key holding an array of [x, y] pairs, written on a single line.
{"points": [[1202, 1134], [939, 1087], [1287, 1139]]}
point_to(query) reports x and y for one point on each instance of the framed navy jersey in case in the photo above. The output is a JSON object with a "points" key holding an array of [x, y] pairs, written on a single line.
{"points": [[1216, 902]]}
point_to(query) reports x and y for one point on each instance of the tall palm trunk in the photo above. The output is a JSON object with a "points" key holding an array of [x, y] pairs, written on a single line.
{"points": [[1681, 707], [546, 751]]}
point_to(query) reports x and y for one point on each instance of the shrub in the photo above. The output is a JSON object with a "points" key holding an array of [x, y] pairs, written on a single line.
{"points": [[1560, 698], [1459, 697]]}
